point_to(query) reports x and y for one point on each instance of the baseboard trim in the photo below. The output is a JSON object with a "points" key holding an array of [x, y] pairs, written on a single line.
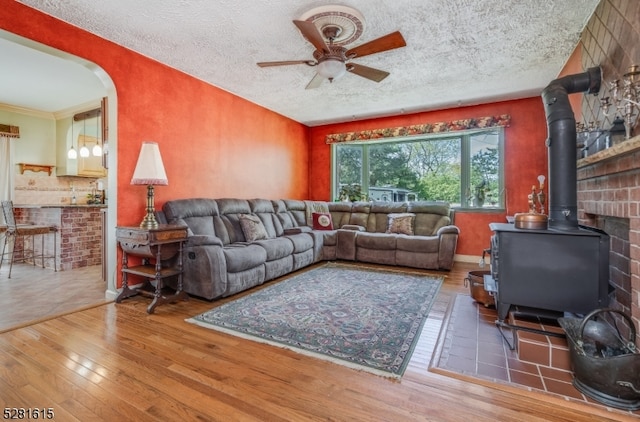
{"points": [[468, 258]]}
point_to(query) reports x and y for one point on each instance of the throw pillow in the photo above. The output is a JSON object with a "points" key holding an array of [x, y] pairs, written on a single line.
{"points": [[322, 221], [252, 227], [314, 206], [401, 223]]}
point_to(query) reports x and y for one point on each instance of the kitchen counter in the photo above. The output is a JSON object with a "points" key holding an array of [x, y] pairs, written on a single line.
{"points": [[59, 206], [79, 237]]}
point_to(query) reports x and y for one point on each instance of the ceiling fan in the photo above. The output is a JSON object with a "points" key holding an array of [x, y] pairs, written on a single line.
{"points": [[333, 60]]}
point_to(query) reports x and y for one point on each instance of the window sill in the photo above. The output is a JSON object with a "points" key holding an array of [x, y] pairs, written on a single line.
{"points": [[483, 210]]}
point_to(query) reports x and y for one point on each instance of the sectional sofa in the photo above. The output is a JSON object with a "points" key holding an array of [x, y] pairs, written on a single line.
{"points": [[235, 244]]}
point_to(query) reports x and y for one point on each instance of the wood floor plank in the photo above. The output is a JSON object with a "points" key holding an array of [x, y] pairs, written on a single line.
{"points": [[116, 362], [57, 376], [152, 372]]}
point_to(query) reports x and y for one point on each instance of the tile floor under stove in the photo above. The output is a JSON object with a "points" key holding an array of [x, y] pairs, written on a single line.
{"points": [[474, 346]]}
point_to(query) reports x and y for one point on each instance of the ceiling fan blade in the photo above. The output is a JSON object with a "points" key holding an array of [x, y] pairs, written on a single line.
{"points": [[367, 72], [285, 63], [312, 34], [387, 42], [315, 82]]}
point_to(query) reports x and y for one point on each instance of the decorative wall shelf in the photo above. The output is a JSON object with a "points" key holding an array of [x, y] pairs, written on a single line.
{"points": [[36, 168], [625, 147]]}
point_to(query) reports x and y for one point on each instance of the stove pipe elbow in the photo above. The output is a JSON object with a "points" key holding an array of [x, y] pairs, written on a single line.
{"points": [[561, 142]]}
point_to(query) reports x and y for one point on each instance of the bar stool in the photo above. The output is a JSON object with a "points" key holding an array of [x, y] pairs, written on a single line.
{"points": [[17, 235], [3, 230]]}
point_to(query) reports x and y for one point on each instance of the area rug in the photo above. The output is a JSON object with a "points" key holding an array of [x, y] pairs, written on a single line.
{"points": [[364, 318]]}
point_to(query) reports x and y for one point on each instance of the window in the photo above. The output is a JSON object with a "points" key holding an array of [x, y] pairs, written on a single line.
{"points": [[462, 168]]}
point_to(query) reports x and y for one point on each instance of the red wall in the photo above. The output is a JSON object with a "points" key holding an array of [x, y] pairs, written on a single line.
{"points": [[213, 144], [525, 159]]}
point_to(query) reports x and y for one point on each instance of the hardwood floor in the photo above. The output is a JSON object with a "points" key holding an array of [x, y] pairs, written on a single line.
{"points": [[116, 362]]}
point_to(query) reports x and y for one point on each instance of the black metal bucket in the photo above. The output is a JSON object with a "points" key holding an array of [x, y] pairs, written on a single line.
{"points": [[606, 367]]}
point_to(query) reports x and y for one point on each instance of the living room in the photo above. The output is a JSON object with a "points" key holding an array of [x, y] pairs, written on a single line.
{"points": [[150, 96], [201, 141]]}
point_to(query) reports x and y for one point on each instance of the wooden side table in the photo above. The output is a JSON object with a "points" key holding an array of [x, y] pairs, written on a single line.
{"points": [[154, 246]]}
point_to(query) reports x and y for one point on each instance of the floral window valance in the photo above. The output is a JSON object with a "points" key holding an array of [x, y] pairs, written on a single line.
{"points": [[440, 127], [9, 131]]}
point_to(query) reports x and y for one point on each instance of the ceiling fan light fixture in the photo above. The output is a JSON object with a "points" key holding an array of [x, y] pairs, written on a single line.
{"points": [[331, 58], [331, 69], [349, 20]]}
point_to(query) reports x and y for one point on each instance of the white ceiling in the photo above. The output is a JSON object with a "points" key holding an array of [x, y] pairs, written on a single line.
{"points": [[459, 52], [34, 79]]}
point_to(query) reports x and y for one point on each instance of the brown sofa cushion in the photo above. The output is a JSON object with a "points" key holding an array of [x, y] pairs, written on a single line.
{"points": [[420, 244], [242, 257], [380, 241]]}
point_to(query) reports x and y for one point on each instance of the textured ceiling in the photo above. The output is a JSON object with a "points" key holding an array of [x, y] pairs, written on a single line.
{"points": [[459, 52]]}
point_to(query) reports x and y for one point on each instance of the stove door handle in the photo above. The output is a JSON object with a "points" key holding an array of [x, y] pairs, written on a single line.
{"points": [[628, 385]]}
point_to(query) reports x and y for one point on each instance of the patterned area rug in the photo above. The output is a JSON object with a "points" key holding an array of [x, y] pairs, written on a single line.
{"points": [[364, 318]]}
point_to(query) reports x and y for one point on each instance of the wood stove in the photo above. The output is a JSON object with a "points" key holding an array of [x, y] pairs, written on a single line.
{"points": [[565, 267], [553, 270]]}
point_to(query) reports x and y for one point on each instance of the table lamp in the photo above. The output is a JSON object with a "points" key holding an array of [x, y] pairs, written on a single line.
{"points": [[149, 171]]}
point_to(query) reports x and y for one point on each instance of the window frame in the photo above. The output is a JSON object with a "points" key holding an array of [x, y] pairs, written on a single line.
{"points": [[465, 164]]}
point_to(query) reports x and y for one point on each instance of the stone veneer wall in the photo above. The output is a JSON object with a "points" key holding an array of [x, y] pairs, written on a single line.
{"points": [[41, 189], [609, 181]]}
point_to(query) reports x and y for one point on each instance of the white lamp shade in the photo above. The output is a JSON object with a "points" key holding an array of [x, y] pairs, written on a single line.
{"points": [[149, 169], [72, 154], [331, 68], [84, 151], [97, 150]]}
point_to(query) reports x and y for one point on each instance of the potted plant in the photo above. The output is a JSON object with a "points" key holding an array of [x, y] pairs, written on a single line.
{"points": [[479, 193], [351, 193]]}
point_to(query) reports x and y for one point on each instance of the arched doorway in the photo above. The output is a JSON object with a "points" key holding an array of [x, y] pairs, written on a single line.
{"points": [[71, 72]]}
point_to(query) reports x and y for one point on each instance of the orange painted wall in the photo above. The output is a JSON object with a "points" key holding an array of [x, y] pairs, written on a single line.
{"points": [[213, 144], [525, 159]]}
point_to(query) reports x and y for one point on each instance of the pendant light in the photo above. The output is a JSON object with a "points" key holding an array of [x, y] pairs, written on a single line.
{"points": [[72, 154], [97, 149], [84, 151]]}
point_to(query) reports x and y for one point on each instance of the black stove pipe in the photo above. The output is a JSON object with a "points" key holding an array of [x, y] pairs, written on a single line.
{"points": [[561, 141]]}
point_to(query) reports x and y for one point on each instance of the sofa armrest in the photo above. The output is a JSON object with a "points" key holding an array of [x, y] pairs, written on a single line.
{"points": [[447, 250], [205, 267], [448, 229], [353, 227], [297, 230], [203, 239], [346, 243]]}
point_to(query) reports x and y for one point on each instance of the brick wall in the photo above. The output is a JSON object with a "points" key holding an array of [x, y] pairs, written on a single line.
{"points": [[608, 190], [609, 181], [79, 238]]}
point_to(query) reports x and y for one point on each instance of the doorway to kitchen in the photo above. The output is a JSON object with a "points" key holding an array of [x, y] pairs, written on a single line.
{"points": [[34, 294]]}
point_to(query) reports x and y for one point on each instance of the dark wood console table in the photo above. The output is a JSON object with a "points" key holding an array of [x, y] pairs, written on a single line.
{"points": [[156, 247]]}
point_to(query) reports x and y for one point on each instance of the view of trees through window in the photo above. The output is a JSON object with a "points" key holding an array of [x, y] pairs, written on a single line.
{"points": [[462, 169]]}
